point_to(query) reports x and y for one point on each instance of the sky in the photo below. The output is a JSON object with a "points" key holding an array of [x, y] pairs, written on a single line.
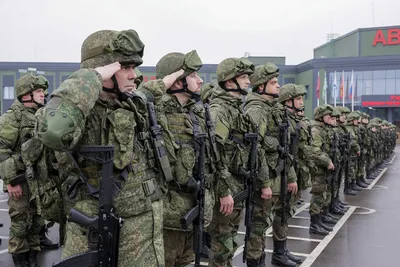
{"points": [[53, 30]]}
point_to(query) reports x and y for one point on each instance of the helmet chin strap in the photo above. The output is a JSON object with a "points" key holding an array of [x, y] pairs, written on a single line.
{"points": [[32, 100], [238, 89], [116, 90], [294, 107], [264, 92], [193, 95]]}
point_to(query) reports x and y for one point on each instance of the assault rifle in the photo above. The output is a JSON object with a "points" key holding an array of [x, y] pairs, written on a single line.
{"points": [[104, 229], [195, 216]]}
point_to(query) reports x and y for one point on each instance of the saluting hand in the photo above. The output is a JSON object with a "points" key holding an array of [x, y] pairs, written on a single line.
{"points": [[170, 79], [108, 71]]}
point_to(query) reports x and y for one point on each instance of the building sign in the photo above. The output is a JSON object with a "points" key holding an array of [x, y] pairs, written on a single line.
{"points": [[392, 37], [380, 101]]}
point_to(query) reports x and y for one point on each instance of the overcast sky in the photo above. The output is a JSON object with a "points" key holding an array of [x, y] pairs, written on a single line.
{"points": [[53, 30]]}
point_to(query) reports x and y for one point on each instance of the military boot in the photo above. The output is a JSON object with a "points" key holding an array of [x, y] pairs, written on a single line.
{"points": [[365, 180], [33, 258], [349, 191], [257, 262], [326, 219], [337, 211], [325, 226], [343, 203], [333, 216], [21, 260], [292, 257], [279, 256], [315, 227], [46, 243], [361, 184], [354, 186]]}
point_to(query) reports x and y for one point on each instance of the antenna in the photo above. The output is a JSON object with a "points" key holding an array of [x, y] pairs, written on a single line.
{"points": [[247, 54]]}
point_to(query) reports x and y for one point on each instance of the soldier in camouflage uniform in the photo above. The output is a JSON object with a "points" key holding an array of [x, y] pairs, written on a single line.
{"points": [[373, 148], [260, 107], [231, 125], [16, 127], [180, 118], [364, 145], [352, 166], [139, 77], [96, 105], [321, 143], [332, 203]]}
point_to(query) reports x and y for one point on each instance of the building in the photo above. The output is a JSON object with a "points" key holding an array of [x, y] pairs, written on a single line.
{"points": [[371, 54]]}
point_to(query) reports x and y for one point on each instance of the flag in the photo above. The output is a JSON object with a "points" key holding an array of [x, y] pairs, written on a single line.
{"points": [[325, 88], [351, 85], [335, 89], [342, 86], [318, 86]]}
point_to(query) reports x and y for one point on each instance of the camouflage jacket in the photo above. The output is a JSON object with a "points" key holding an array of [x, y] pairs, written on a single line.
{"points": [[77, 115], [177, 122], [262, 112], [16, 127], [355, 147], [320, 146], [231, 124]]}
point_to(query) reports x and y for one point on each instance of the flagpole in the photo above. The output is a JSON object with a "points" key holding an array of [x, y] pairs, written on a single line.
{"points": [[352, 90], [334, 90], [344, 88], [325, 88]]}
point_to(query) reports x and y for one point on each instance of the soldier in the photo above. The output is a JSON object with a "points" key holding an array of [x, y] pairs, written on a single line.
{"points": [[352, 127], [182, 120], [321, 145], [95, 106], [290, 101], [231, 125], [364, 145], [16, 127], [139, 78], [260, 107]]}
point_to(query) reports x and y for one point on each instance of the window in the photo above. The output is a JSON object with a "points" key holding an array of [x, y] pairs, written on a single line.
{"points": [[367, 75], [378, 87], [397, 86], [8, 92], [390, 86], [289, 80], [398, 74], [390, 74], [379, 74], [368, 87], [308, 92]]}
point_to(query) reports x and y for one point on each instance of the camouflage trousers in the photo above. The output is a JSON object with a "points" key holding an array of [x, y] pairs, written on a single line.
{"points": [[178, 246], [279, 228], [25, 224], [223, 231], [352, 169], [361, 166], [262, 219], [141, 237], [319, 193]]}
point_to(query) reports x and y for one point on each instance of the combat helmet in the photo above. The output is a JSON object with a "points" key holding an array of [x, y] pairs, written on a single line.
{"points": [[343, 110], [262, 75], [231, 68], [353, 116], [29, 83], [139, 77], [207, 90], [172, 62], [107, 46], [289, 92], [322, 110]]}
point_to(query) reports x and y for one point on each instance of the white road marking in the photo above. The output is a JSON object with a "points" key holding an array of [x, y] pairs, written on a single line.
{"points": [[6, 210], [299, 226], [390, 162], [321, 246], [376, 179], [3, 251], [269, 230]]}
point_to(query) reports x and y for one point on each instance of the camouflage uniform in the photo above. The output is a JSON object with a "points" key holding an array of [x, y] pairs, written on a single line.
{"points": [[352, 166], [231, 124], [321, 146], [261, 110], [177, 121], [78, 114], [16, 127]]}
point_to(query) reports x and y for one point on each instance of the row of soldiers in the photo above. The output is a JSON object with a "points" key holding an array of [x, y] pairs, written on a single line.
{"points": [[186, 157], [353, 149]]}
